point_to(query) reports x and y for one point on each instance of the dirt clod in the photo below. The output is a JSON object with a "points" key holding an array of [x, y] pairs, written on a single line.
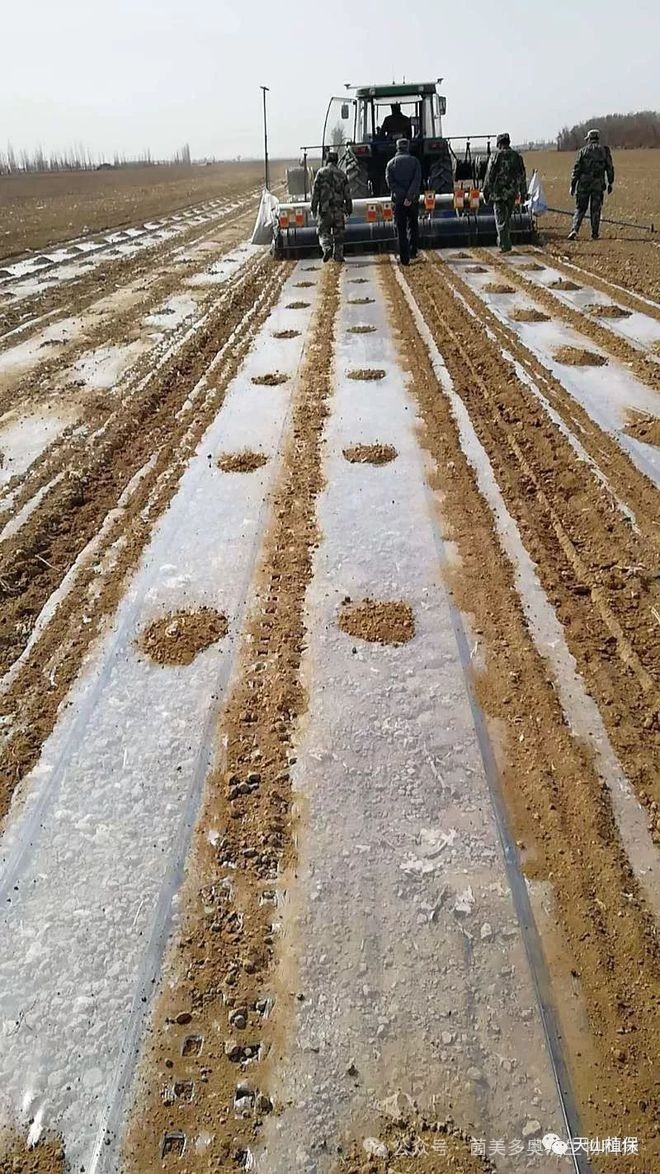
{"points": [[364, 329], [286, 334], [476, 269], [378, 621], [304, 284], [366, 374], [370, 454], [242, 462], [270, 379], [360, 301], [574, 356], [530, 267], [498, 287], [297, 305], [528, 315], [564, 283], [644, 427], [177, 638], [607, 310]]}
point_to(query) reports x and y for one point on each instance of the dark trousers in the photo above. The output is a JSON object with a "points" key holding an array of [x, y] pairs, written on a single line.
{"points": [[503, 212], [591, 201], [407, 226]]}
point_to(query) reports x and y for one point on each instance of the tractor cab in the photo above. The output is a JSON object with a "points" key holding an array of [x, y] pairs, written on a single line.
{"points": [[364, 130]]}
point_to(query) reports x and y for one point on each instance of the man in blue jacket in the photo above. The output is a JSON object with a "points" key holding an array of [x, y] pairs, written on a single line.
{"points": [[403, 176]]}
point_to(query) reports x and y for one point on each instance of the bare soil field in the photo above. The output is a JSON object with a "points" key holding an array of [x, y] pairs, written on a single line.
{"points": [[41, 210], [330, 702]]}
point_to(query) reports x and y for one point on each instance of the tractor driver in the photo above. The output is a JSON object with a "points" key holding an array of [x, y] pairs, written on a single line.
{"points": [[396, 125]]}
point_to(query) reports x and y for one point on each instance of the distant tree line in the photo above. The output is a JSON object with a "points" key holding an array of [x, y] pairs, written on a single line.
{"points": [[80, 158], [641, 129]]}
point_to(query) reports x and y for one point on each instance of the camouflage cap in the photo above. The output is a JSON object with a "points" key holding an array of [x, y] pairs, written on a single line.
{"points": [[332, 157], [504, 140], [592, 136]]}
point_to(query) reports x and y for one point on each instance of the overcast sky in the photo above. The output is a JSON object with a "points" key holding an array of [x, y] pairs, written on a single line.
{"points": [[130, 74]]}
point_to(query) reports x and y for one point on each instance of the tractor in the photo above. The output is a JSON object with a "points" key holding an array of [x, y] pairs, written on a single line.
{"points": [[363, 129]]}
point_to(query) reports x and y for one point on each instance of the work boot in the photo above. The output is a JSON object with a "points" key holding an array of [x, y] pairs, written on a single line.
{"points": [[327, 255], [340, 260], [595, 236], [572, 235]]}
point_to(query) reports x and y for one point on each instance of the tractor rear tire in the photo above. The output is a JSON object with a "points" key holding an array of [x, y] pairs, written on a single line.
{"points": [[357, 178], [441, 175]]}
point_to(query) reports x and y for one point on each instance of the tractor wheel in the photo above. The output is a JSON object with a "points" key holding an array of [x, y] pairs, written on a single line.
{"points": [[357, 178], [441, 175]]}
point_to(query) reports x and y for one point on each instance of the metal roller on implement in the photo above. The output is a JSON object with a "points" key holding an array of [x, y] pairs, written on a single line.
{"points": [[452, 209]]}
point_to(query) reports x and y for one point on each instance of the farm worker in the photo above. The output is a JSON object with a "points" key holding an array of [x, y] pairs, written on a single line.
{"points": [[504, 183], [403, 176], [592, 171], [397, 124], [331, 204]]}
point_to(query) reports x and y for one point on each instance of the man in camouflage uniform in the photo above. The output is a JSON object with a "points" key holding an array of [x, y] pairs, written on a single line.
{"points": [[331, 204], [505, 182], [592, 170]]}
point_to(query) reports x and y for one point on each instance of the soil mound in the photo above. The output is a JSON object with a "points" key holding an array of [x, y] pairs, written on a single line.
{"points": [[304, 284], [297, 305], [608, 311], [366, 374], [286, 334], [575, 356], [530, 267], [378, 621], [476, 269], [360, 301], [177, 638], [270, 379], [359, 280], [361, 329], [370, 454], [241, 462], [646, 428], [564, 283], [531, 315], [498, 287]]}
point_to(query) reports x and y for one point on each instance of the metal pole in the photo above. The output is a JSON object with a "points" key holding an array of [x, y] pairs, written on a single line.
{"points": [[265, 90], [607, 220]]}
